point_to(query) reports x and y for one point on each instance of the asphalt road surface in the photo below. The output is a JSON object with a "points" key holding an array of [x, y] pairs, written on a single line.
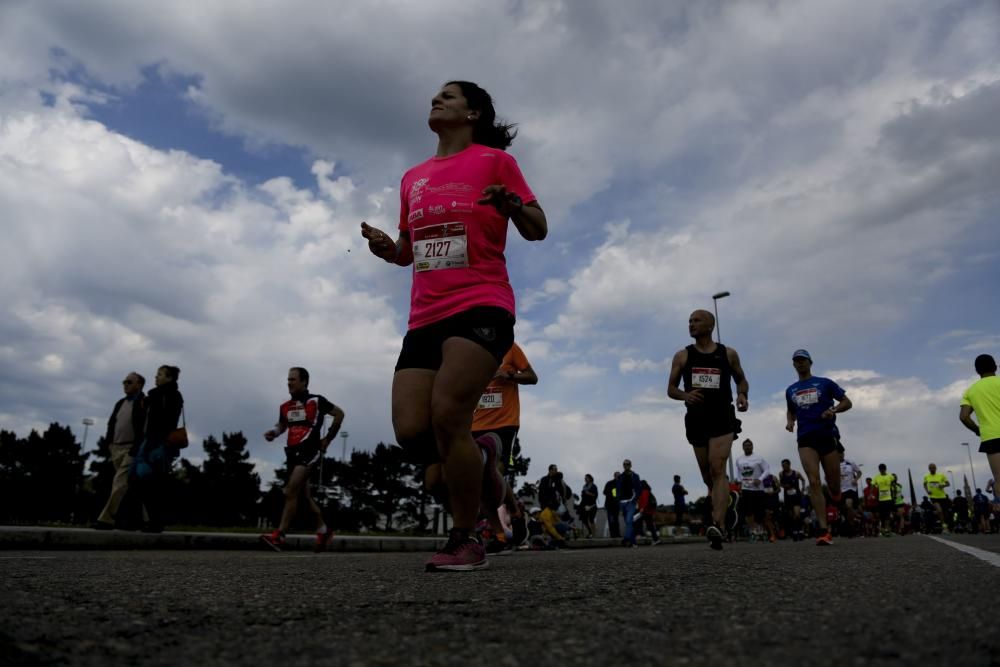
{"points": [[909, 600]]}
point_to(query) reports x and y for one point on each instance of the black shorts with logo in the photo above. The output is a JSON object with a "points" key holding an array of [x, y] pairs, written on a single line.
{"points": [[507, 434], [490, 327], [850, 494], [824, 443], [702, 426], [305, 454], [990, 446]]}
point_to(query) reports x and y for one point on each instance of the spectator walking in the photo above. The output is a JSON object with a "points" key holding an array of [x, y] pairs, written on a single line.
{"points": [[125, 428], [646, 511], [629, 487], [588, 504], [611, 506], [680, 501], [155, 455]]}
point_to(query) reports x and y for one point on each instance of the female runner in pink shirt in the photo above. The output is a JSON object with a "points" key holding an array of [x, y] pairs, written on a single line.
{"points": [[453, 216]]}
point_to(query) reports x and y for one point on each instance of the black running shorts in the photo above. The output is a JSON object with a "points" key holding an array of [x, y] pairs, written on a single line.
{"points": [[990, 446], [823, 443], [703, 426], [490, 327], [306, 454]]}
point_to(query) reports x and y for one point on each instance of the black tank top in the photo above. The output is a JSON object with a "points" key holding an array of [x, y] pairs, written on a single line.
{"points": [[712, 374], [789, 482]]}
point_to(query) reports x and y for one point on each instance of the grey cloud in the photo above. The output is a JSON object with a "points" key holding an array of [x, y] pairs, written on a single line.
{"points": [[590, 82], [929, 133]]}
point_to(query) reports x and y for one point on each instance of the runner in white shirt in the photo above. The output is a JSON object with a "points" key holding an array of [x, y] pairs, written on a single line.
{"points": [[751, 470], [850, 473]]}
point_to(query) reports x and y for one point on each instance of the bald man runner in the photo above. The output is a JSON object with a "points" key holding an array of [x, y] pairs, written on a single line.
{"points": [[708, 369]]}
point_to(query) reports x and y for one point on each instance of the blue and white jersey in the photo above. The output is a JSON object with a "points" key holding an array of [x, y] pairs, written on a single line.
{"points": [[809, 399]]}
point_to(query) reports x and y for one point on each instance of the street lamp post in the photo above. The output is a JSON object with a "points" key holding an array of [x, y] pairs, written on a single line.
{"points": [[715, 302], [718, 339], [343, 451], [87, 423], [968, 449]]}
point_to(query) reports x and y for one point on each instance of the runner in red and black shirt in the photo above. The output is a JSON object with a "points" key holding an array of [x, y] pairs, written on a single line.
{"points": [[302, 417]]}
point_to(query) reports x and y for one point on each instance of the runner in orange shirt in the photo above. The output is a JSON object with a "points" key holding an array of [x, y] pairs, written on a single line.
{"points": [[499, 412], [499, 409]]}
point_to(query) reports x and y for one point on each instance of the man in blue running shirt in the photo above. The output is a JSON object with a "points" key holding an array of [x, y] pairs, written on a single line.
{"points": [[811, 404]]}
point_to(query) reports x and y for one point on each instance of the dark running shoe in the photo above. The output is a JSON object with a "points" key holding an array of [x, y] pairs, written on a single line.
{"points": [[274, 540], [715, 537], [461, 553], [824, 540]]}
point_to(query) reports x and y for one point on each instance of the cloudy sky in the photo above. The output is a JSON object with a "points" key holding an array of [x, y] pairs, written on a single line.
{"points": [[184, 185]]}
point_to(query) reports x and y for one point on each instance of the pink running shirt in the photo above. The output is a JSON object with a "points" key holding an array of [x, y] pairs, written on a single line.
{"points": [[458, 245]]}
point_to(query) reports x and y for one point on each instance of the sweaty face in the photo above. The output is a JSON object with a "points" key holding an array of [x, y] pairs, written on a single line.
{"points": [[449, 108]]}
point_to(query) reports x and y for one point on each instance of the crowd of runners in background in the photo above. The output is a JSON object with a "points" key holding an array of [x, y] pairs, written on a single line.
{"points": [[766, 506]]}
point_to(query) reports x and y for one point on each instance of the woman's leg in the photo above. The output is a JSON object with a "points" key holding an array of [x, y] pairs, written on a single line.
{"points": [[466, 369], [411, 421]]}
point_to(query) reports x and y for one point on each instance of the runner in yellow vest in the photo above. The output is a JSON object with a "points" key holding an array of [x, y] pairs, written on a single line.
{"points": [[983, 398], [935, 484], [886, 507]]}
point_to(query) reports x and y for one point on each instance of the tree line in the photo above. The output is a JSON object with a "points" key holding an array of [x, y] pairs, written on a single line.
{"points": [[48, 478]]}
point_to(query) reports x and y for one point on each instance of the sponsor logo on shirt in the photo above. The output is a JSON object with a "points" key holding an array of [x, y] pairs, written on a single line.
{"points": [[451, 188], [436, 210], [461, 206], [418, 186], [415, 215]]}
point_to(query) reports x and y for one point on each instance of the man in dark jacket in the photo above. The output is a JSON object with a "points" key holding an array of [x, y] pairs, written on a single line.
{"points": [[552, 493], [611, 506], [155, 456], [125, 428], [629, 488], [550, 490]]}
